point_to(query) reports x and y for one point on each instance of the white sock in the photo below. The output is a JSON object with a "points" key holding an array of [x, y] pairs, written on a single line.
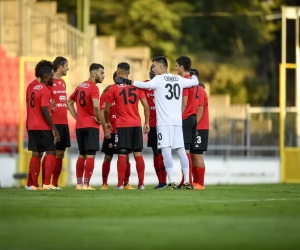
{"points": [[167, 155], [184, 164]]}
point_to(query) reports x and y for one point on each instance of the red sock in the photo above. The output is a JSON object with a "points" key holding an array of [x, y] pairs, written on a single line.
{"points": [[88, 170], [195, 176], [121, 166], [163, 172], [140, 168], [43, 169], [190, 168], [79, 170], [49, 168], [29, 179], [34, 168], [157, 168], [127, 173], [56, 172], [105, 171], [201, 173]]}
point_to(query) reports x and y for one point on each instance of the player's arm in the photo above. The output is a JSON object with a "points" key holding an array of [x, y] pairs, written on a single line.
{"points": [[152, 84], [201, 104], [70, 105], [107, 126], [96, 106], [145, 104], [187, 83]]}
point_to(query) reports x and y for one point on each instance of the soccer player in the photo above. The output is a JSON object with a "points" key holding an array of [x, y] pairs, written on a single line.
{"points": [[88, 119], [129, 134], [201, 139], [152, 137], [41, 131], [40, 64], [168, 101], [59, 115], [189, 110], [108, 147]]}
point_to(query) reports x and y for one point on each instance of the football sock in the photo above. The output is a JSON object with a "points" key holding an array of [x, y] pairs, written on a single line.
{"points": [[184, 164], [29, 178], [157, 168], [195, 175], [43, 169], [201, 173], [34, 168], [49, 168], [88, 170], [79, 170], [121, 167], [190, 168], [105, 171], [140, 168], [162, 169], [57, 171], [127, 173], [168, 162]]}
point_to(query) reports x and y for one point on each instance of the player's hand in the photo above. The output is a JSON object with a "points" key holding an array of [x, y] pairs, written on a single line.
{"points": [[107, 127], [146, 128], [122, 80], [98, 121], [56, 135], [107, 135]]}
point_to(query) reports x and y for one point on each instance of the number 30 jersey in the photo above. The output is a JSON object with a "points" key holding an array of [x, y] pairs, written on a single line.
{"points": [[126, 99], [168, 96], [83, 95]]}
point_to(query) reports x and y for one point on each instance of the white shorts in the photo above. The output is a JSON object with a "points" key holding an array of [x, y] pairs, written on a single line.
{"points": [[169, 136]]}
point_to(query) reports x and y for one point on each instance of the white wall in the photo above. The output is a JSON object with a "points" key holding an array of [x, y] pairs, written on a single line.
{"points": [[7, 170]]}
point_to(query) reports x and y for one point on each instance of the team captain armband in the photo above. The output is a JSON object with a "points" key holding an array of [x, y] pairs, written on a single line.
{"points": [[121, 80]]}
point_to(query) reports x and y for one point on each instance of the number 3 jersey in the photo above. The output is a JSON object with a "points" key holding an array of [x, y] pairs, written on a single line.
{"points": [[126, 99], [168, 96], [59, 96], [83, 95]]}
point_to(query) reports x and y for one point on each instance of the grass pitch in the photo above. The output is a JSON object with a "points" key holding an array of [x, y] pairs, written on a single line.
{"points": [[220, 217]]}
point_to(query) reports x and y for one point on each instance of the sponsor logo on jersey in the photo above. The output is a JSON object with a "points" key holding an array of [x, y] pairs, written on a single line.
{"points": [[38, 87], [84, 85], [59, 92], [62, 98], [171, 78]]}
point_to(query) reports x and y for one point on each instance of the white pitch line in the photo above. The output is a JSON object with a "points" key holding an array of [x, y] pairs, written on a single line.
{"points": [[251, 200]]}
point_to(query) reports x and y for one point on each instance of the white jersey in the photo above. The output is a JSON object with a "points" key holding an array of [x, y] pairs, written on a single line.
{"points": [[168, 96]]}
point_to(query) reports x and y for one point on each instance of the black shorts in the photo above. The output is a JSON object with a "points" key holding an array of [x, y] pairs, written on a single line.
{"points": [[130, 138], [40, 140], [108, 147], [65, 141], [87, 139], [200, 141], [152, 138], [189, 126]]}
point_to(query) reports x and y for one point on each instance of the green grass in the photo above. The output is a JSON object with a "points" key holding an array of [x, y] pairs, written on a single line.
{"points": [[220, 217]]}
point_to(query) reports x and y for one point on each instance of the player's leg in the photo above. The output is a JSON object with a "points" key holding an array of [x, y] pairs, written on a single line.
{"points": [[91, 146], [108, 150], [43, 168], [61, 146], [127, 175], [137, 146], [163, 172], [80, 136]]}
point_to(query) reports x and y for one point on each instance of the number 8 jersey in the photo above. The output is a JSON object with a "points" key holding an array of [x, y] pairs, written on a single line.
{"points": [[126, 99], [83, 95], [168, 96]]}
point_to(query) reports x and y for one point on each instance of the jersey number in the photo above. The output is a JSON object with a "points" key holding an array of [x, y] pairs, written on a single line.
{"points": [[174, 91], [31, 103], [82, 101], [131, 94]]}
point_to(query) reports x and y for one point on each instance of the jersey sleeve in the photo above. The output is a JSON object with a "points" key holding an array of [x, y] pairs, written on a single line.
{"points": [[201, 99], [187, 83], [103, 98], [72, 97], [142, 94], [152, 84], [45, 98], [185, 92], [95, 93], [110, 95]]}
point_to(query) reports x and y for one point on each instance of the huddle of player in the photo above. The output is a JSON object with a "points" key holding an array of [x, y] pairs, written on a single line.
{"points": [[176, 117]]}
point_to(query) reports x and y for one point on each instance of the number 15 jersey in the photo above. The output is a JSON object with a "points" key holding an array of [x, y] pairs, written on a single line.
{"points": [[126, 99], [168, 96], [83, 95]]}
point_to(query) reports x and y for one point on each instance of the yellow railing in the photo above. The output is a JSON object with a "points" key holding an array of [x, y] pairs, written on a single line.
{"points": [[291, 165]]}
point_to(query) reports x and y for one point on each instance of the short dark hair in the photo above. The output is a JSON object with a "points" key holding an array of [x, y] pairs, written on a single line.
{"points": [[45, 71], [161, 59], [41, 64], [124, 66], [184, 61], [151, 73], [95, 66], [58, 61], [196, 72], [114, 76]]}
